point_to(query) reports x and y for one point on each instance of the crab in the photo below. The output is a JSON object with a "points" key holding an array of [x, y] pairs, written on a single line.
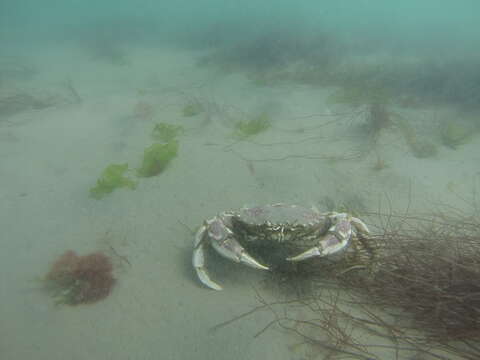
{"points": [[303, 233]]}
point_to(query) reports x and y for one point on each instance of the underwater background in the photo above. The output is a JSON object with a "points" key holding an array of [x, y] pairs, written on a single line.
{"points": [[124, 125]]}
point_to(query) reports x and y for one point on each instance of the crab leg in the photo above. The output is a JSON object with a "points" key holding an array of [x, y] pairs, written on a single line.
{"points": [[198, 259], [336, 239]]}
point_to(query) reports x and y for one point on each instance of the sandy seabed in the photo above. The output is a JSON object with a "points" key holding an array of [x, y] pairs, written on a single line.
{"points": [[50, 158]]}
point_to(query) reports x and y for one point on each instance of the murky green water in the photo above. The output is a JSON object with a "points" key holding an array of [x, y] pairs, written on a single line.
{"points": [[175, 112]]}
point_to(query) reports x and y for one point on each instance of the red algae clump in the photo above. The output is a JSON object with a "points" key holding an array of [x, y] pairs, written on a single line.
{"points": [[75, 279]]}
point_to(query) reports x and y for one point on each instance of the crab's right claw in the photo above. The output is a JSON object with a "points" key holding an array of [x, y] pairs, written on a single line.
{"points": [[224, 242], [231, 249], [198, 260]]}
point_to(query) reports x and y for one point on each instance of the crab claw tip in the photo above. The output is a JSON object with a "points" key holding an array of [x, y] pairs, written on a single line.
{"points": [[314, 251], [205, 279], [250, 261]]}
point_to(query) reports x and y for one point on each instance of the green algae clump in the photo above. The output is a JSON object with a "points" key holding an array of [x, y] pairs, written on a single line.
{"points": [[454, 134], [112, 177], [192, 109], [156, 158], [247, 128], [166, 132], [355, 96]]}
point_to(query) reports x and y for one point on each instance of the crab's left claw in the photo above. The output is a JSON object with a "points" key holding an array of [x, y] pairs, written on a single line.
{"points": [[198, 260], [336, 239]]}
